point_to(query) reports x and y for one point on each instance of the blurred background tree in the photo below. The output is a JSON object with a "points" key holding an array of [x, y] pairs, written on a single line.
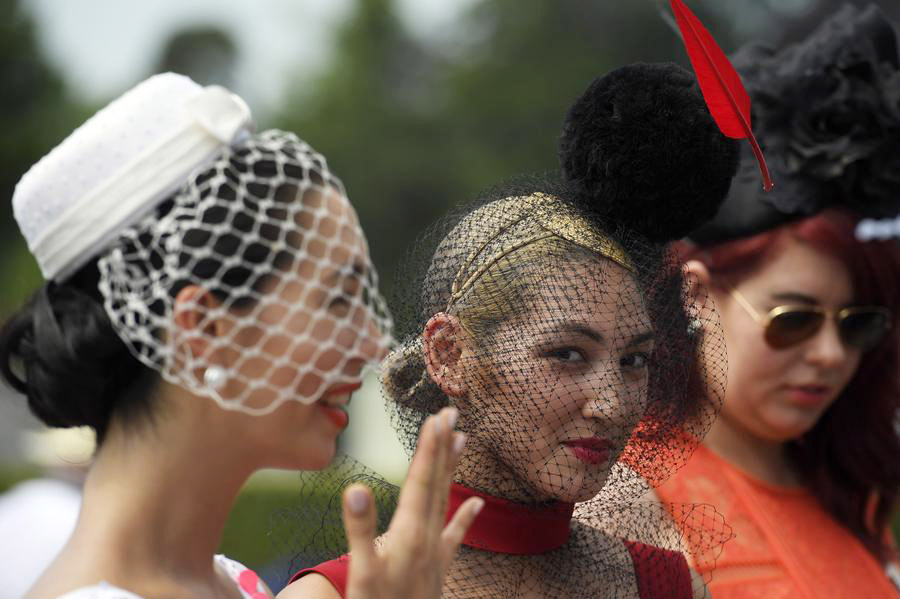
{"points": [[413, 122], [413, 127], [206, 54], [36, 111]]}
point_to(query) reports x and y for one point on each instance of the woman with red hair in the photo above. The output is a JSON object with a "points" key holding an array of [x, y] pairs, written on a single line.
{"points": [[804, 460]]}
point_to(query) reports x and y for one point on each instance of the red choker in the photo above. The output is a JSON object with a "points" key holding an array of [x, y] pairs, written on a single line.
{"points": [[506, 527]]}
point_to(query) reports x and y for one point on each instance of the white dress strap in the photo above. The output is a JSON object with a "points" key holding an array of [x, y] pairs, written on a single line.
{"points": [[246, 580], [100, 591]]}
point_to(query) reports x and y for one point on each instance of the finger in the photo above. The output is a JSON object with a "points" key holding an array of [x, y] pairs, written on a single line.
{"points": [[455, 448], [455, 531], [359, 525], [443, 473], [415, 495]]}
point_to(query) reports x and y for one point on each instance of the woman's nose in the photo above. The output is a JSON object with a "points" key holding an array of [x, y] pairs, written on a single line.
{"points": [[826, 349], [612, 401]]}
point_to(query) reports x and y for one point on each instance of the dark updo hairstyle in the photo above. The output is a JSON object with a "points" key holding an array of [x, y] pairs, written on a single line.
{"points": [[61, 350]]}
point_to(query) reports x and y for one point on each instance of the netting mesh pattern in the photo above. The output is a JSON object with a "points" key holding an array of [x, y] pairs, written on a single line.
{"points": [[594, 562], [257, 267], [564, 329], [585, 369]]}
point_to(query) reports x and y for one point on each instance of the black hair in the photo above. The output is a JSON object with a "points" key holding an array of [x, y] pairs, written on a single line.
{"points": [[61, 349]]}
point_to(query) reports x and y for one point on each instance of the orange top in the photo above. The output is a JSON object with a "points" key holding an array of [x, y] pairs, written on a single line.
{"points": [[785, 544]]}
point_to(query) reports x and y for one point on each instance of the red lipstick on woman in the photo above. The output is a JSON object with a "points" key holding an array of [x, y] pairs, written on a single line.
{"points": [[336, 413], [809, 396], [590, 450]]}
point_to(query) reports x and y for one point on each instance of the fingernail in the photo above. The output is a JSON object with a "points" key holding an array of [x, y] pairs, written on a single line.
{"points": [[459, 441], [437, 423], [452, 416], [479, 503], [357, 501]]}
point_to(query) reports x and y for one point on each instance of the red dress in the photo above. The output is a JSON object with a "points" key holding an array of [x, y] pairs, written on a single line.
{"points": [[506, 527]]}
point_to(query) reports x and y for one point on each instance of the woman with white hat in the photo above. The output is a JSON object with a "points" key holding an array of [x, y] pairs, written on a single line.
{"points": [[188, 260]]}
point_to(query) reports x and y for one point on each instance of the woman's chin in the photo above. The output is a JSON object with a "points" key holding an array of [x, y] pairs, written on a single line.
{"points": [[307, 458], [785, 430], [576, 491]]}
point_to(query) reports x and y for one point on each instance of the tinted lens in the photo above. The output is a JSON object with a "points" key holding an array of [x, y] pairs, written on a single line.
{"points": [[793, 326], [863, 328]]}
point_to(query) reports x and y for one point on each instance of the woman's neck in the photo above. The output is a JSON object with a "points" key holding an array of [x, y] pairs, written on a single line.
{"points": [[761, 458], [157, 498], [481, 469]]}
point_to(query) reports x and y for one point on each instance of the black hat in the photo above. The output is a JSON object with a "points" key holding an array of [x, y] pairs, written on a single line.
{"points": [[827, 113]]}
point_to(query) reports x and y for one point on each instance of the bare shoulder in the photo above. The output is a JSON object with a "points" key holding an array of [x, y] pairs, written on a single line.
{"points": [[311, 586]]}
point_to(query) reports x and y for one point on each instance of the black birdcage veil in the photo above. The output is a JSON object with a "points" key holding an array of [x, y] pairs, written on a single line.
{"points": [[572, 355], [584, 366]]}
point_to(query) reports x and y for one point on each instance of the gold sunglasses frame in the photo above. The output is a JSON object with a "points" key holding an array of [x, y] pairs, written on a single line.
{"points": [[837, 315]]}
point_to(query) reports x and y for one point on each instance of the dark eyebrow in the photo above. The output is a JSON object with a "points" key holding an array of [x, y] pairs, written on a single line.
{"points": [[593, 335], [642, 338], [798, 298], [578, 329]]}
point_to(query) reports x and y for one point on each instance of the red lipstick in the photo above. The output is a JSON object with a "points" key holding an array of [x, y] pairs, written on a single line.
{"points": [[590, 450], [337, 416], [809, 396]]}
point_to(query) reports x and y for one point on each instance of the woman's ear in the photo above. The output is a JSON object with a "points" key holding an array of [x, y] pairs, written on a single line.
{"points": [[698, 295], [696, 278], [443, 344], [195, 314]]}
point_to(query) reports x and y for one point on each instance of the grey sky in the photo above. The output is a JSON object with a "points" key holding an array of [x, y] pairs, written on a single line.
{"points": [[105, 46]]}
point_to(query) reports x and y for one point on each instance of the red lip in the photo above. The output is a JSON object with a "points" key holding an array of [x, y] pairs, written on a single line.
{"points": [[338, 417], [590, 450], [809, 395]]}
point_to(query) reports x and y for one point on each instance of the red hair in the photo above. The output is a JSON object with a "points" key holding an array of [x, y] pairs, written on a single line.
{"points": [[850, 459]]}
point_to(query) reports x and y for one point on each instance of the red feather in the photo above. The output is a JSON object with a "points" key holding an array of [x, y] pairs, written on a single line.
{"points": [[725, 95]]}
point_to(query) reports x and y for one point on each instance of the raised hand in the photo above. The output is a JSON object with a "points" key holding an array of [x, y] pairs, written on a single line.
{"points": [[418, 548]]}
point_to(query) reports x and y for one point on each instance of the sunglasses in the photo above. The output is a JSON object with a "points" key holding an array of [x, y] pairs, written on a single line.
{"points": [[861, 327]]}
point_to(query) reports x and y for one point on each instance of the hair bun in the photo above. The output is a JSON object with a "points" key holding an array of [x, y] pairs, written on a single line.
{"points": [[643, 150]]}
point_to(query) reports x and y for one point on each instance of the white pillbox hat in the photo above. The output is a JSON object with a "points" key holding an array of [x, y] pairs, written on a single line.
{"points": [[120, 164]]}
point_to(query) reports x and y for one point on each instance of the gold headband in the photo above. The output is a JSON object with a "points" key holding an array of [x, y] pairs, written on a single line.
{"points": [[565, 225]]}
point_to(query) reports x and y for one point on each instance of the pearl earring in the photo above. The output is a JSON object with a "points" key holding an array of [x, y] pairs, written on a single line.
{"points": [[694, 326], [214, 377]]}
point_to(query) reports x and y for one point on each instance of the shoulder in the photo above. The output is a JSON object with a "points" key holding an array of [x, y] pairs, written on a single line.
{"points": [[246, 579], [328, 580], [100, 591], [700, 480], [660, 573], [311, 586]]}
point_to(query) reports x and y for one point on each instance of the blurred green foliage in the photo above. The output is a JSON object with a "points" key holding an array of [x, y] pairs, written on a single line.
{"points": [[11, 474], [412, 126], [250, 533], [35, 114]]}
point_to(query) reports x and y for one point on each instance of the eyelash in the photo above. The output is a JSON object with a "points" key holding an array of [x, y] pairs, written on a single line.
{"points": [[558, 354], [626, 362], [644, 356]]}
